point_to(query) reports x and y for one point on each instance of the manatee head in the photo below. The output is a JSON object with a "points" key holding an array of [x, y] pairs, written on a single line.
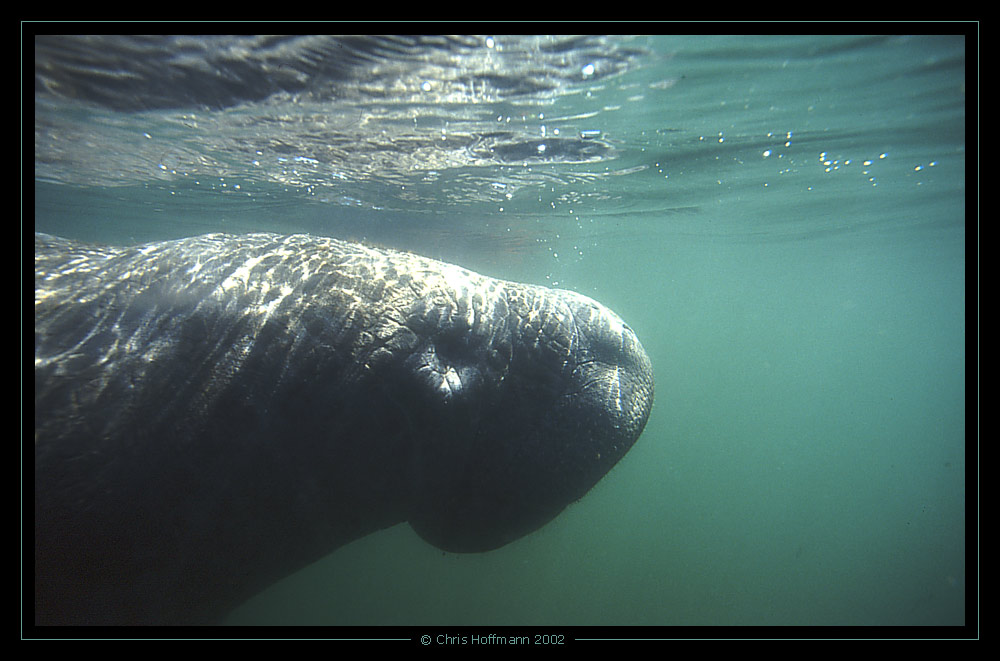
{"points": [[520, 399]]}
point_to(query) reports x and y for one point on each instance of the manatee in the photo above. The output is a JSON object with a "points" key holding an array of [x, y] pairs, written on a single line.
{"points": [[214, 413]]}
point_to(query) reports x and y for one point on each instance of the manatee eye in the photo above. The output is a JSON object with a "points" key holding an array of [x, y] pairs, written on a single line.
{"points": [[442, 378], [447, 371]]}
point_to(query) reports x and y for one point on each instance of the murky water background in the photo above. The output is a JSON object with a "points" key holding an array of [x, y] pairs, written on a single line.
{"points": [[781, 219]]}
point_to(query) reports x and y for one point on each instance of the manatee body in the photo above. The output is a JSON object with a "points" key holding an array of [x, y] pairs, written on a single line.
{"points": [[214, 413]]}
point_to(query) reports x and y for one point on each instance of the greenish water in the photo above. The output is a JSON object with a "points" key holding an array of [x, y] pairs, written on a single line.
{"points": [[782, 220]]}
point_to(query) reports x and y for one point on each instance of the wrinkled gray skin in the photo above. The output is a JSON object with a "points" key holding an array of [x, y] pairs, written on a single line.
{"points": [[214, 413]]}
